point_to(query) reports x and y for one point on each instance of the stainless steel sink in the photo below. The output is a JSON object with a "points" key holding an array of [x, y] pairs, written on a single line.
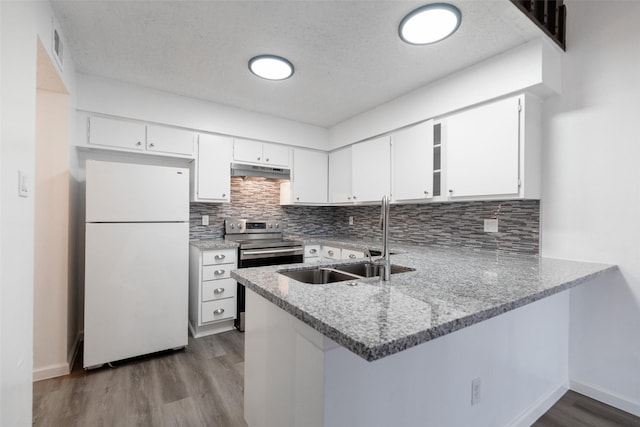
{"points": [[319, 275], [369, 269], [323, 275]]}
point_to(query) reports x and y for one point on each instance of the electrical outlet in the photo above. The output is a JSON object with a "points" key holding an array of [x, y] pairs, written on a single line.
{"points": [[490, 225], [205, 219], [475, 391], [350, 220]]}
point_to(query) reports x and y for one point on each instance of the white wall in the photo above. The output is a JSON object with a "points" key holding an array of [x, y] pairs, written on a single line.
{"points": [[54, 333], [22, 23], [591, 193], [96, 94], [533, 67]]}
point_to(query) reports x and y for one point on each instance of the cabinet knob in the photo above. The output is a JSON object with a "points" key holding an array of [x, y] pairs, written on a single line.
{"points": [[218, 311], [313, 251], [218, 272], [352, 256], [219, 256], [152, 145], [354, 197], [224, 195], [330, 252], [349, 198], [218, 291], [267, 159], [297, 198], [258, 158], [450, 191], [426, 192], [138, 144]]}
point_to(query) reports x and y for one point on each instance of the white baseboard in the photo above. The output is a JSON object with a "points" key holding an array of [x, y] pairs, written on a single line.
{"points": [[538, 408], [59, 369], [216, 328], [605, 396]]}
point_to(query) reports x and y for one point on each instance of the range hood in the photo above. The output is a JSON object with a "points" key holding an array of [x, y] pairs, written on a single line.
{"points": [[239, 169]]}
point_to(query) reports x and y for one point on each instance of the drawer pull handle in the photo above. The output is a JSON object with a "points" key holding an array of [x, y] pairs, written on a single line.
{"points": [[352, 256], [219, 257], [152, 145], [218, 311], [313, 251], [218, 291], [218, 272], [330, 252]]}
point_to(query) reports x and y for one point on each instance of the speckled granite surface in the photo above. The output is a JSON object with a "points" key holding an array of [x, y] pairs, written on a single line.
{"points": [[450, 290], [210, 244]]}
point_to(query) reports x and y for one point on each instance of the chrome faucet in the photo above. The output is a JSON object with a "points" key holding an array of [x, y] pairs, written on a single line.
{"points": [[385, 260]]}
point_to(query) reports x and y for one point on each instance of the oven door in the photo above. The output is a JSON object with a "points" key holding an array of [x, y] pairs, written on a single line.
{"points": [[259, 257], [270, 256]]}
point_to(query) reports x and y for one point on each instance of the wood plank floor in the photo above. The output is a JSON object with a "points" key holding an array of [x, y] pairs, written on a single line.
{"points": [[203, 386], [199, 386], [576, 410]]}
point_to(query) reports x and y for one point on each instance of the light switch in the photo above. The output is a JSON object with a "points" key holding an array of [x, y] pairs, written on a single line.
{"points": [[205, 219], [23, 184]]}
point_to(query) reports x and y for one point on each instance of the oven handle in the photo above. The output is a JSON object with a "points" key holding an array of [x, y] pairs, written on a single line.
{"points": [[270, 251]]}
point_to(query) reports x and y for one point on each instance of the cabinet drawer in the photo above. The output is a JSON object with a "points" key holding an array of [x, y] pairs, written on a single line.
{"points": [[218, 289], [218, 310], [351, 254], [311, 251], [331, 252], [225, 256], [213, 272]]}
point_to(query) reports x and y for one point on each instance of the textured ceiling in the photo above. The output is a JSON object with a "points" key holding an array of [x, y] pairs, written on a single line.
{"points": [[347, 54]]}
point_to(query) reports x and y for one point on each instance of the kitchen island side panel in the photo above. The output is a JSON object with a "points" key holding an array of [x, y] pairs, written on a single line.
{"points": [[520, 357]]}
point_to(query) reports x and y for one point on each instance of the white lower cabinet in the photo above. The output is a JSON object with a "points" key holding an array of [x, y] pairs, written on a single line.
{"points": [[312, 254], [212, 291]]}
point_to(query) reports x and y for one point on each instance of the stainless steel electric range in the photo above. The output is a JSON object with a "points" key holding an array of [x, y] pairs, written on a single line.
{"points": [[260, 243]]}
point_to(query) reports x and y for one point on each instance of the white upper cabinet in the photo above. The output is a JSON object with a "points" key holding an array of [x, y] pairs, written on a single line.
{"points": [[371, 169], [340, 176], [491, 151], [117, 133], [248, 151], [210, 172], [135, 136], [413, 165], [360, 172], [310, 176], [170, 140]]}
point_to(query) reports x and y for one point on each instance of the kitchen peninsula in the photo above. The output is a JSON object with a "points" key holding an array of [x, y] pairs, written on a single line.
{"points": [[470, 338]]}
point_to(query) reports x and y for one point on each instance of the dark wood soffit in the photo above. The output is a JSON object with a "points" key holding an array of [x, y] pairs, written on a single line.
{"points": [[549, 15]]}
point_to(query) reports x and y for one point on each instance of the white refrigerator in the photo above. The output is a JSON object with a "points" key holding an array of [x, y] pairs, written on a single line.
{"points": [[136, 260]]}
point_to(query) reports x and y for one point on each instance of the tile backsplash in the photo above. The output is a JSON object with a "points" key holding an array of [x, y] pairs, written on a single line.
{"points": [[441, 224]]}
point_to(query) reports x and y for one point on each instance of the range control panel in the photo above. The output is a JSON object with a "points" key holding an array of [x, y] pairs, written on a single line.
{"points": [[250, 226]]}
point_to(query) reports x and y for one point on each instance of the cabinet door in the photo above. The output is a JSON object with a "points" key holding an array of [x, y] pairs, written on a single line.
{"points": [[340, 176], [482, 146], [213, 177], [371, 162], [310, 172], [275, 155], [413, 162], [245, 150], [117, 133], [170, 140]]}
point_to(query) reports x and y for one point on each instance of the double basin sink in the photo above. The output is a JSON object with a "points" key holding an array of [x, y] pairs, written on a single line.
{"points": [[357, 271]]}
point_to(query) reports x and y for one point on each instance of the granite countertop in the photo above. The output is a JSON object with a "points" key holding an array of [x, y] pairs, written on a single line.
{"points": [[449, 290], [210, 244]]}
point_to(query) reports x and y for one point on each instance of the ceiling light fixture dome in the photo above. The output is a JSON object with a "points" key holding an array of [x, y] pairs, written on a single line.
{"points": [[430, 23], [271, 67]]}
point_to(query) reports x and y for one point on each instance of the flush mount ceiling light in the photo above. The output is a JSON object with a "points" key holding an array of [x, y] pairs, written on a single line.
{"points": [[430, 23], [271, 67]]}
